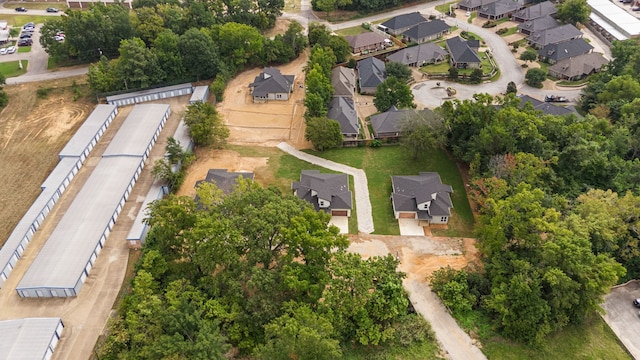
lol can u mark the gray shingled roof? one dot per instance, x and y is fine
(499, 7)
(404, 20)
(343, 110)
(343, 80)
(565, 50)
(545, 107)
(409, 191)
(391, 120)
(541, 23)
(426, 29)
(422, 53)
(371, 72)
(331, 187)
(461, 52)
(475, 3)
(364, 39)
(537, 11)
(224, 180)
(579, 65)
(271, 81)
(555, 35)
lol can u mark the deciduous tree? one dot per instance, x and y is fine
(323, 133)
(205, 125)
(393, 92)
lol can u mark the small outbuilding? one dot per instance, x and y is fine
(200, 93)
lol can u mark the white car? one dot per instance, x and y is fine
(468, 13)
(11, 49)
(3, 51)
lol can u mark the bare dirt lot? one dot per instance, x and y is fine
(265, 124)
(32, 132)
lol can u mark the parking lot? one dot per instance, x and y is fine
(623, 317)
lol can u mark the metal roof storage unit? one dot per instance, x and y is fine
(150, 94)
(200, 93)
(71, 157)
(29, 338)
(139, 229)
(87, 136)
(66, 259)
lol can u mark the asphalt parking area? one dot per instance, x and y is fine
(624, 318)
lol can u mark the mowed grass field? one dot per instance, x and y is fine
(32, 132)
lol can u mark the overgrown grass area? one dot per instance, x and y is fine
(381, 163)
(417, 351)
(591, 340)
(356, 30)
(12, 68)
(19, 20)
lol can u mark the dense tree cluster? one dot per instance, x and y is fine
(574, 11)
(363, 6)
(168, 42)
(259, 271)
(558, 199)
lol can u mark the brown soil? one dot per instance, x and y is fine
(279, 28)
(32, 132)
(265, 124)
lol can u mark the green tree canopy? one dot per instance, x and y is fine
(393, 92)
(574, 11)
(535, 77)
(323, 133)
(205, 125)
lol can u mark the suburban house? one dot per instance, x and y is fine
(326, 192)
(343, 110)
(498, 9)
(366, 42)
(427, 31)
(343, 80)
(547, 108)
(371, 72)
(534, 12)
(271, 85)
(542, 38)
(224, 179)
(578, 67)
(422, 54)
(539, 24)
(388, 125)
(463, 53)
(401, 23)
(553, 53)
(472, 5)
(421, 197)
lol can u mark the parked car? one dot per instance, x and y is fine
(3, 51)
(636, 302)
(25, 35)
(58, 38)
(25, 42)
(29, 24)
(637, 8)
(11, 49)
(52, 10)
(21, 9)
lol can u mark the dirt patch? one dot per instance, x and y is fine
(279, 28)
(217, 159)
(265, 124)
(32, 132)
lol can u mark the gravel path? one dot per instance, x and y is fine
(363, 205)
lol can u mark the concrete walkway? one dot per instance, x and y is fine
(361, 187)
(457, 344)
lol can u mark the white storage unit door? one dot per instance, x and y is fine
(48, 355)
(83, 277)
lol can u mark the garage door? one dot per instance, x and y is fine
(407, 215)
(339, 213)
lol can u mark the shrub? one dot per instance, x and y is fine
(42, 93)
(375, 143)
(412, 328)
(217, 87)
(502, 31)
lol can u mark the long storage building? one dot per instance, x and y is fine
(72, 158)
(29, 338)
(65, 261)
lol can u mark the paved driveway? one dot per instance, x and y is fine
(341, 222)
(624, 318)
(410, 227)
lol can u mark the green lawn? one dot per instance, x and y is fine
(35, 5)
(12, 68)
(445, 7)
(472, 16)
(19, 20)
(510, 31)
(24, 49)
(356, 30)
(381, 163)
(591, 340)
(442, 68)
(420, 351)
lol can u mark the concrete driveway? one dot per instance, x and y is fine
(410, 227)
(624, 318)
(341, 222)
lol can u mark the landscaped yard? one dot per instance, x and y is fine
(381, 163)
(445, 7)
(12, 68)
(24, 49)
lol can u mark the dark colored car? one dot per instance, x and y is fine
(636, 302)
(52, 10)
(25, 35)
(25, 42)
(21, 9)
